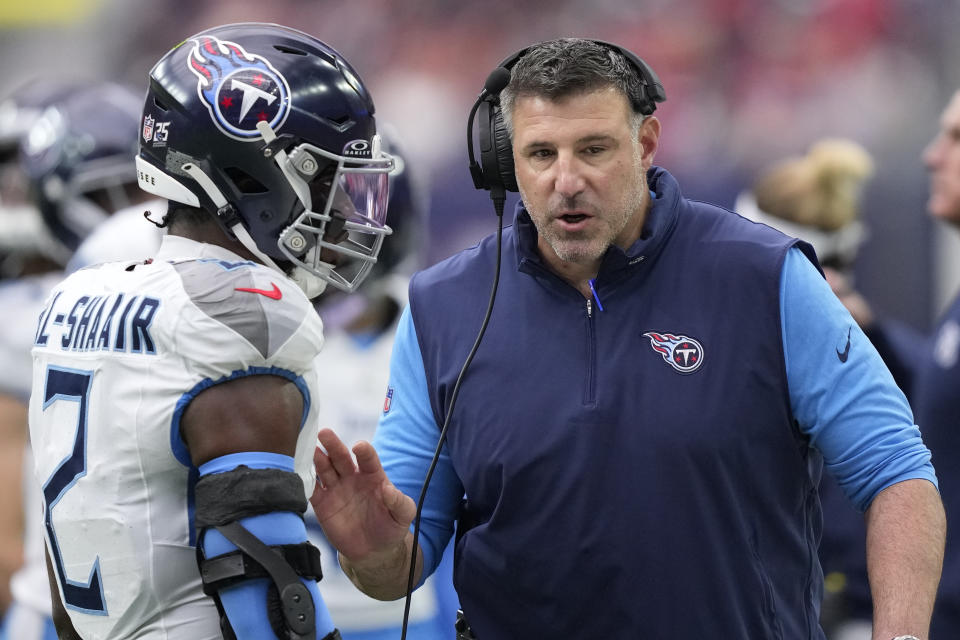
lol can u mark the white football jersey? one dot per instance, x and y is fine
(123, 236)
(120, 351)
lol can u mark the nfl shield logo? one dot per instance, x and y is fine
(388, 400)
(148, 121)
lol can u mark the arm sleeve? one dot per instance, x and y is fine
(406, 440)
(246, 603)
(841, 393)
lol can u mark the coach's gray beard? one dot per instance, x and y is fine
(587, 246)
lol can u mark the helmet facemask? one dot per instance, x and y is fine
(338, 234)
(337, 245)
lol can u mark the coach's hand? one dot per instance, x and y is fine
(364, 516)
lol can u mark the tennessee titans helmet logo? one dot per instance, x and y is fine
(681, 352)
(239, 89)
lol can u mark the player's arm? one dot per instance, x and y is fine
(61, 620)
(242, 436)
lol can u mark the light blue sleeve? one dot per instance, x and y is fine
(841, 393)
(406, 440)
(246, 603)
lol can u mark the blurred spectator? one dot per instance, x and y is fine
(816, 197)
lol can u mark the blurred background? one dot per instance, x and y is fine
(747, 81)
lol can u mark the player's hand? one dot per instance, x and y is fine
(362, 514)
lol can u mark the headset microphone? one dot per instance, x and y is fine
(497, 81)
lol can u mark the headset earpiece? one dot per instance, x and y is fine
(496, 151)
(504, 149)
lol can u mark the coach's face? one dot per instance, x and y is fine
(581, 169)
(942, 159)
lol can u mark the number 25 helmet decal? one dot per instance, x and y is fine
(272, 132)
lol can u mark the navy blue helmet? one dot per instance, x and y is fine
(21, 229)
(24, 105)
(66, 163)
(79, 158)
(272, 132)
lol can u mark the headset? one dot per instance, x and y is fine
(495, 174)
(495, 171)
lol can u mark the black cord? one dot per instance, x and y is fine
(498, 205)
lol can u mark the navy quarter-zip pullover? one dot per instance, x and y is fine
(648, 470)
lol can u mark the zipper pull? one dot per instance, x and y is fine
(589, 308)
(595, 296)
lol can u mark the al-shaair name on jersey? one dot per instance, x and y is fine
(82, 330)
(120, 351)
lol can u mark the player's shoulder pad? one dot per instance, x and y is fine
(256, 302)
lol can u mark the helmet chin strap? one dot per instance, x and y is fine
(310, 284)
(220, 201)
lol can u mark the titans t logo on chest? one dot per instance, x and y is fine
(681, 352)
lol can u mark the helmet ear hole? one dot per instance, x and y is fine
(159, 104)
(244, 182)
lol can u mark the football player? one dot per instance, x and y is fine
(174, 412)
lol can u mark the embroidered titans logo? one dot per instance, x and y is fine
(681, 352)
(239, 89)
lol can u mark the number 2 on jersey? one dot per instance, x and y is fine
(73, 386)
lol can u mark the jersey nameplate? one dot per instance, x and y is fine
(117, 322)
